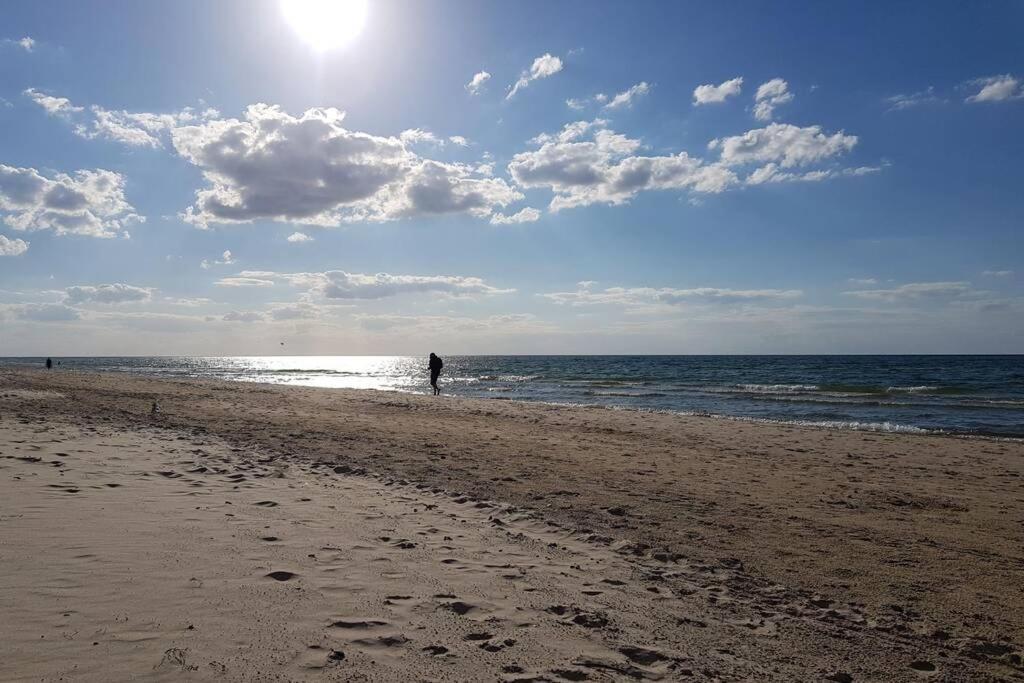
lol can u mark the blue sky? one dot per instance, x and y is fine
(200, 178)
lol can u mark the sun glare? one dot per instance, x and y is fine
(326, 24)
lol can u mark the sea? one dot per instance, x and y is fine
(964, 395)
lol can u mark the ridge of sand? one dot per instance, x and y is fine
(614, 586)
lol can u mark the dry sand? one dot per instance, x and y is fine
(253, 532)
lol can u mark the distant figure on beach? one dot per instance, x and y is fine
(49, 363)
(435, 369)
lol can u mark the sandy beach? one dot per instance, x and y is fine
(257, 532)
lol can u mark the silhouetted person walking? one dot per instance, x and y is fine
(435, 369)
(49, 363)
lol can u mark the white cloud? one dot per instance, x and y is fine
(413, 136)
(625, 98)
(646, 296)
(998, 273)
(917, 290)
(136, 129)
(508, 323)
(89, 203)
(770, 95)
(458, 140)
(27, 43)
(243, 281)
(299, 238)
(226, 259)
(771, 173)
(863, 281)
(786, 144)
(527, 215)
(107, 294)
(55, 106)
(544, 66)
(996, 89)
(476, 84)
(46, 313)
(914, 99)
(576, 104)
(9, 247)
(299, 311)
(341, 285)
(605, 170)
(310, 169)
(711, 94)
(244, 317)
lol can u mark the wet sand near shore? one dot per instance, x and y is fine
(305, 534)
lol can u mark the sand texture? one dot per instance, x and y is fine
(254, 532)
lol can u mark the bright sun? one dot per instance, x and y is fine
(325, 24)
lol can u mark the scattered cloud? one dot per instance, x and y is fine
(544, 66)
(310, 169)
(243, 317)
(458, 140)
(625, 99)
(527, 215)
(476, 84)
(55, 106)
(338, 284)
(91, 202)
(914, 99)
(243, 281)
(135, 129)
(46, 313)
(606, 170)
(997, 273)
(996, 89)
(770, 95)
(862, 281)
(27, 43)
(341, 285)
(299, 311)
(226, 259)
(107, 294)
(917, 290)
(585, 295)
(771, 173)
(299, 238)
(788, 145)
(506, 324)
(9, 247)
(713, 94)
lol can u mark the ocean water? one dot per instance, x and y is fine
(981, 395)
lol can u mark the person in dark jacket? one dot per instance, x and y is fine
(435, 366)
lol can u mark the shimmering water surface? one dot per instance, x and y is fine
(958, 394)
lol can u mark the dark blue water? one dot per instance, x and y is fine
(956, 394)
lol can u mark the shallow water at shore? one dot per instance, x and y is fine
(954, 394)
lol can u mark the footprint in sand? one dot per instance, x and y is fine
(266, 504)
(460, 608)
(282, 575)
(478, 636)
(358, 624)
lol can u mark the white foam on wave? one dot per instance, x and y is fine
(776, 388)
(912, 390)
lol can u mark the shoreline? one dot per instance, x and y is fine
(860, 522)
(885, 427)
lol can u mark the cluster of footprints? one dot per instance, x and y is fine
(358, 575)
